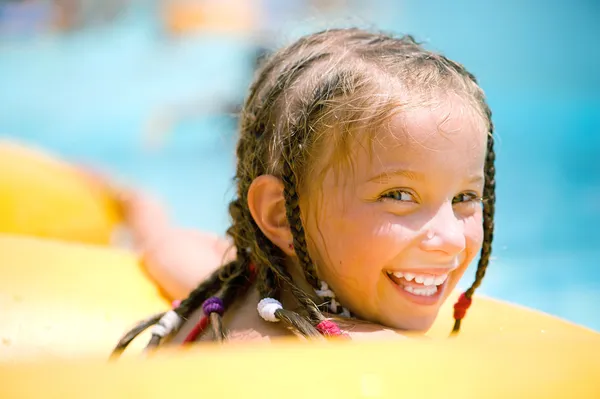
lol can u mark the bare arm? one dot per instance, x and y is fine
(176, 259)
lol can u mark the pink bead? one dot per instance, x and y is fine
(329, 328)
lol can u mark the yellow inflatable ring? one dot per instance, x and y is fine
(63, 300)
(506, 368)
(44, 197)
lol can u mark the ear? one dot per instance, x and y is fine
(267, 206)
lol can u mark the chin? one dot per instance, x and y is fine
(419, 324)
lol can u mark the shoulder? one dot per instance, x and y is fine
(241, 322)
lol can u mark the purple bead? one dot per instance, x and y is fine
(213, 305)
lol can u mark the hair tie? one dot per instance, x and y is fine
(267, 308)
(213, 305)
(329, 328)
(461, 306)
(197, 330)
(169, 322)
(252, 269)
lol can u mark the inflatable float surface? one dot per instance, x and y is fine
(44, 197)
(60, 299)
(505, 368)
(65, 305)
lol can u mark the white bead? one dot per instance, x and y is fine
(267, 308)
(325, 292)
(332, 305)
(159, 330)
(169, 322)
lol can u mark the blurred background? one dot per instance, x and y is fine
(147, 90)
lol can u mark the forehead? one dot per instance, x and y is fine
(449, 135)
(445, 140)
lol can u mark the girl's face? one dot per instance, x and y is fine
(394, 234)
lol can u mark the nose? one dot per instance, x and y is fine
(444, 233)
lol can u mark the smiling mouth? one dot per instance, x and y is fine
(418, 284)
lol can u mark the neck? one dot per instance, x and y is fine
(287, 298)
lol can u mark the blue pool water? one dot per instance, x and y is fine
(91, 96)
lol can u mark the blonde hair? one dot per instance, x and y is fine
(320, 90)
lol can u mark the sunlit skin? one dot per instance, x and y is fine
(412, 204)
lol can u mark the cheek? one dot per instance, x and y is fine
(339, 242)
(354, 249)
(349, 243)
(473, 230)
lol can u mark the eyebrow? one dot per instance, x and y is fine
(476, 179)
(415, 176)
(408, 174)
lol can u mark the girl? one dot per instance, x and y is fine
(365, 187)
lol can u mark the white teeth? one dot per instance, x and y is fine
(439, 280)
(425, 291)
(426, 279)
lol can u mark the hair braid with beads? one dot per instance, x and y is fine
(306, 98)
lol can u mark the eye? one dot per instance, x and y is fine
(463, 198)
(398, 195)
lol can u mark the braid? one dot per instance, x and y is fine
(300, 247)
(216, 324)
(488, 217)
(195, 298)
(133, 333)
(489, 193)
(204, 290)
(317, 92)
(234, 285)
(229, 281)
(252, 244)
(284, 113)
(262, 112)
(266, 71)
(336, 84)
(275, 272)
(235, 279)
(272, 272)
(268, 286)
(292, 208)
(489, 190)
(332, 87)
